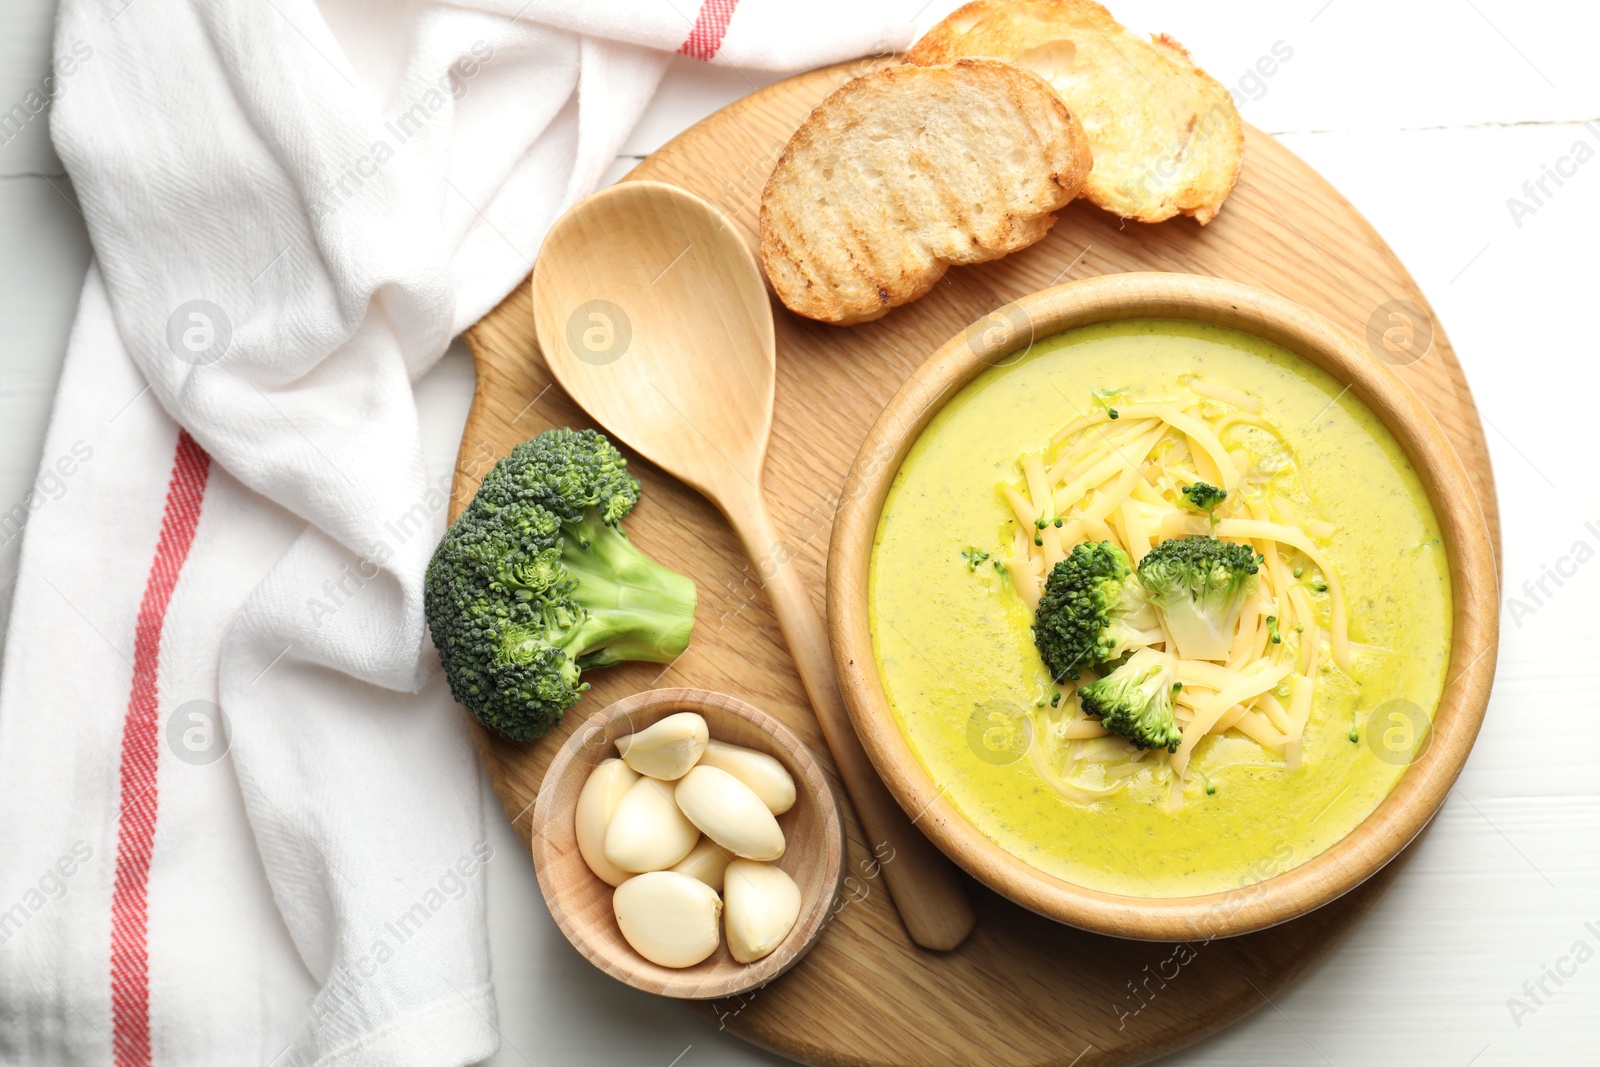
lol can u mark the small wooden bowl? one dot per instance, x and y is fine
(1006, 334)
(581, 902)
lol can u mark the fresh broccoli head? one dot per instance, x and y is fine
(536, 581)
(1200, 585)
(1135, 701)
(1092, 611)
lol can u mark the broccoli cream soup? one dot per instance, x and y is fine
(1161, 607)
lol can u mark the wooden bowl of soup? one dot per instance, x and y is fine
(1164, 605)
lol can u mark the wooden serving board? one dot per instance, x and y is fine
(1021, 990)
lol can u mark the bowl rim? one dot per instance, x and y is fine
(1007, 334)
(582, 749)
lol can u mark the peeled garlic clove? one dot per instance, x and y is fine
(597, 803)
(666, 749)
(765, 776)
(668, 918)
(706, 862)
(648, 831)
(762, 905)
(729, 812)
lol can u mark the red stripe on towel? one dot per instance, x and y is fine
(141, 737)
(709, 28)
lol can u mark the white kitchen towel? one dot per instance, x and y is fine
(239, 816)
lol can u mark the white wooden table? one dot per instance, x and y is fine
(1429, 116)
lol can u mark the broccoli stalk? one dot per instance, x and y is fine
(535, 582)
(1092, 611)
(1200, 584)
(635, 606)
(1135, 701)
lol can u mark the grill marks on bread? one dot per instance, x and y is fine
(910, 169)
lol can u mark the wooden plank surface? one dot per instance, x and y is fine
(1022, 990)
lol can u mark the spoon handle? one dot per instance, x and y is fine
(923, 883)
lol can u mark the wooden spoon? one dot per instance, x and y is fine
(651, 312)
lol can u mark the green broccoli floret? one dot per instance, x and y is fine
(1207, 498)
(1092, 611)
(1200, 585)
(1135, 701)
(973, 556)
(535, 582)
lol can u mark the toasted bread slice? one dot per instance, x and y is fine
(907, 170)
(1167, 139)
